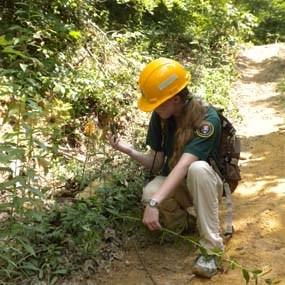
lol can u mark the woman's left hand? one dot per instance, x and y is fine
(151, 218)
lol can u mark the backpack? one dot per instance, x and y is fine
(229, 154)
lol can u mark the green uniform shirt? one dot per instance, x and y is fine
(203, 145)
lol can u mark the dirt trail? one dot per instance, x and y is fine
(259, 201)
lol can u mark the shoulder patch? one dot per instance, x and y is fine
(205, 130)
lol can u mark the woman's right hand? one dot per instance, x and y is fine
(120, 145)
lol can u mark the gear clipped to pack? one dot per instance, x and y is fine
(228, 170)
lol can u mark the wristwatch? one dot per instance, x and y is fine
(152, 203)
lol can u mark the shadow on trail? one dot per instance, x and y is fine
(269, 70)
(275, 102)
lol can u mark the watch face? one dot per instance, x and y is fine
(152, 203)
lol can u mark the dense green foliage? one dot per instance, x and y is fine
(68, 68)
(270, 15)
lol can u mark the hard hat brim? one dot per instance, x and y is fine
(145, 106)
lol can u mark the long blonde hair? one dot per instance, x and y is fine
(189, 120)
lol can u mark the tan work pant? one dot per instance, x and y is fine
(201, 189)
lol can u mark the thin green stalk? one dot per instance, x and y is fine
(220, 254)
(82, 181)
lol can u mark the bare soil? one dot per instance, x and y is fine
(258, 203)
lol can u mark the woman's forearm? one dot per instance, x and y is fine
(170, 184)
(147, 160)
(174, 178)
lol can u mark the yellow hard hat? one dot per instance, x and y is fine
(160, 80)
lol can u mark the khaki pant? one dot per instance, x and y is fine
(198, 195)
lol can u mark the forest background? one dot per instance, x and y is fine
(68, 69)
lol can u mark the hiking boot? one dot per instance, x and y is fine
(205, 266)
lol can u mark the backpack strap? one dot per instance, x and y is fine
(229, 212)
